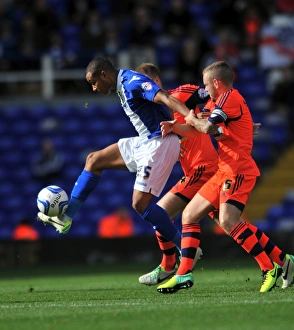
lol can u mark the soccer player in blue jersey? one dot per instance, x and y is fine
(148, 154)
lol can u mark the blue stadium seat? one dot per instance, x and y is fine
(204, 23)
(111, 109)
(166, 55)
(22, 174)
(104, 7)
(73, 169)
(6, 232)
(30, 142)
(70, 31)
(246, 73)
(264, 225)
(4, 125)
(60, 140)
(23, 127)
(7, 188)
(79, 142)
(289, 197)
(92, 111)
(255, 88)
(288, 204)
(262, 148)
(82, 229)
(198, 9)
(66, 111)
(7, 144)
(96, 126)
(16, 113)
(286, 224)
(117, 199)
(277, 124)
(71, 37)
(274, 214)
(12, 160)
(72, 125)
(59, 7)
(40, 111)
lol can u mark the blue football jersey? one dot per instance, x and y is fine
(136, 92)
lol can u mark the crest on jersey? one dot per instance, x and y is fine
(147, 86)
(202, 93)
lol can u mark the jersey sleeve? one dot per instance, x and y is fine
(191, 95)
(140, 85)
(225, 108)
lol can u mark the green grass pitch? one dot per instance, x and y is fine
(225, 295)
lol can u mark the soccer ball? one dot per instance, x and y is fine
(52, 201)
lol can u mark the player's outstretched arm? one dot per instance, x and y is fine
(180, 129)
(163, 97)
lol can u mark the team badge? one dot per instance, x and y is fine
(202, 93)
(147, 86)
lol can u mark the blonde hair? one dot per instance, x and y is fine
(220, 70)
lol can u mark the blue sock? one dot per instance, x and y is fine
(85, 184)
(161, 222)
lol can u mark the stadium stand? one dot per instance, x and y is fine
(76, 130)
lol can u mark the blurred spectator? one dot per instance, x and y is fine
(123, 8)
(117, 224)
(286, 6)
(228, 14)
(188, 62)
(112, 43)
(78, 11)
(56, 50)
(24, 231)
(8, 44)
(92, 35)
(225, 49)
(30, 41)
(177, 20)
(47, 168)
(27, 244)
(252, 22)
(276, 48)
(45, 20)
(140, 39)
(282, 95)
(141, 32)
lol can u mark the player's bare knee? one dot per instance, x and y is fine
(187, 217)
(226, 225)
(138, 207)
(92, 162)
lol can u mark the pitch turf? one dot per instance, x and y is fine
(97, 297)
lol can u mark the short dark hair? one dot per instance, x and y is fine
(99, 64)
(220, 70)
(150, 70)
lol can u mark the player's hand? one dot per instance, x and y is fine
(190, 118)
(183, 150)
(255, 128)
(203, 115)
(167, 127)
